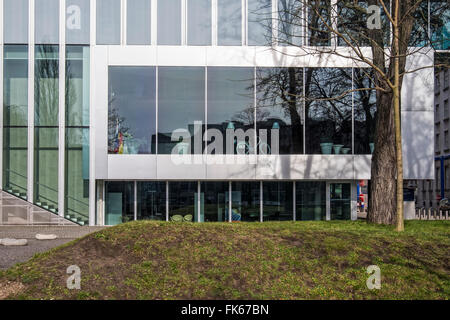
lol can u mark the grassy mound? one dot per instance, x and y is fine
(289, 260)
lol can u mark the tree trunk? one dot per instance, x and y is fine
(382, 201)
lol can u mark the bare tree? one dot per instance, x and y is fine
(379, 36)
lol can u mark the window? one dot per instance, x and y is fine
(151, 200)
(310, 200)
(199, 22)
(290, 21)
(446, 142)
(138, 22)
(246, 201)
(119, 202)
(231, 106)
(229, 22)
(214, 199)
(340, 201)
(15, 115)
(277, 201)
(181, 109)
(108, 22)
(78, 21)
(15, 21)
(446, 109)
(132, 110)
(169, 22)
(365, 107)
(183, 201)
(77, 134)
(440, 24)
(437, 144)
(260, 22)
(328, 111)
(279, 110)
(46, 132)
(319, 11)
(47, 21)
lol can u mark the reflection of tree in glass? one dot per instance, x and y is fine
(116, 128)
(280, 96)
(46, 85)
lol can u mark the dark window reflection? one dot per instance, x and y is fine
(183, 204)
(290, 22)
(365, 111)
(231, 106)
(279, 110)
(277, 201)
(419, 34)
(352, 24)
(151, 200)
(310, 200)
(340, 201)
(328, 110)
(260, 22)
(131, 110)
(214, 199)
(319, 16)
(119, 202)
(181, 104)
(440, 24)
(246, 201)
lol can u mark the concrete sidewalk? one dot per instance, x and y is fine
(9, 256)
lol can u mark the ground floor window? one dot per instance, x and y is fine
(119, 200)
(225, 201)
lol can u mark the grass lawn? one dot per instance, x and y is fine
(287, 260)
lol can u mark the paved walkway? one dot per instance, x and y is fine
(9, 256)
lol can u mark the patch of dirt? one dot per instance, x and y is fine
(8, 288)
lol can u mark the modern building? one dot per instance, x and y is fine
(194, 110)
(429, 192)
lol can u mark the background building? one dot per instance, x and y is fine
(430, 191)
(93, 92)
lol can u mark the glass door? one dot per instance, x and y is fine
(340, 208)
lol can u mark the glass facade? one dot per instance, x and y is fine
(259, 22)
(132, 110)
(108, 22)
(229, 25)
(364, 111)
(246, 196)
(310, 200)
(297, 110)
(319, 16)
(290, 22)
(119, 202)
(340, 201)
(138, 22)
(151, 200)
(279, 110)
(181, 103)
(214, 202)
(278, 201)
(231, 106)
(328, 110)
(46, 21)
(169, 22)
(78, 21)
(15, 25)
(208, 201)
(77, 133)
(183, 201)
(46, 92)
(199, 30)
(15, 119)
